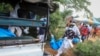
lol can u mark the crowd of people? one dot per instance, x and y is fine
(81, 31)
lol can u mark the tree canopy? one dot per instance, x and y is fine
(78, 5)
(57, 18)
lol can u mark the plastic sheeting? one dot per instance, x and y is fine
(4, 32)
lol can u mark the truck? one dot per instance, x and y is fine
(25, 45)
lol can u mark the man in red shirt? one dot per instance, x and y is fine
(84, 31)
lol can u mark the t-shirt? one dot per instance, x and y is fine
(75, 29)
(89, 27)
(70, 33)
(41, 31)
(84, 30)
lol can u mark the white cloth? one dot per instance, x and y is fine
(14, 14)
(67, 43)
(26, 30)
(19, 31)
(89, 27)
(41, 38)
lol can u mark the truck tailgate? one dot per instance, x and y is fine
(35, 49)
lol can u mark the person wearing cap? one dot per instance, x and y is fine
(71, 32)
(41, 31)
(75, 29)
(67, 42)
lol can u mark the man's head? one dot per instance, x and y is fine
(70, 18)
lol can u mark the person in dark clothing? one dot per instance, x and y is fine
(41, 31)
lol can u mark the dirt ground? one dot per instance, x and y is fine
(68, 53)
(49, 50)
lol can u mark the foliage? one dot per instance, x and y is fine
(88, 49)
(5, 7)
(57, 18)
(66, 13)
(54, 21)
(77, 5)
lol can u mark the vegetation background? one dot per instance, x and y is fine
(58, 24)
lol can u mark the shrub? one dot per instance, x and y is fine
(88, 49)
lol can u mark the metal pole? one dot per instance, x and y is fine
(47, 27)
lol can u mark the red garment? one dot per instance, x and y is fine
(84, 30)
(96, 30)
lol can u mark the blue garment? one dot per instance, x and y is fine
(76, 40)
(4, 32)
(59, 42)
(53, 43)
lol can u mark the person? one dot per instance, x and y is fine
(75, 29)
(84, 31)
(90, 30)
(69, 20)
(94, 32)
(41, 34)
(14, 14)
(41, 31)
(67, 42)
(27, 15)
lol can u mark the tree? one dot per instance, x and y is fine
(76, 4)
(56, 18)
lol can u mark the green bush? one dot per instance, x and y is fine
(88, 49)
(5, 8)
